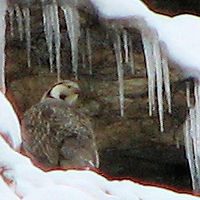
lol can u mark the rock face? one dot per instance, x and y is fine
(129, 146)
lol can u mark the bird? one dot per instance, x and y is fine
(55, 135)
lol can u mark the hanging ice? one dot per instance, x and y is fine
(11, 20)
(196, 139)
(166, 81)
(83, 59)
(128, 51)
(125, 41)
(48, 33)
(188, 94)
(159, 80)
(120, 71)
(150, 65)
(19, 21)
(89, 49)
(52, 33)
(157, 67)
(189, 148)
(3, 8)
(26, 14)
(192, 139)
(73, 27)
(56, 30)
(132, 65)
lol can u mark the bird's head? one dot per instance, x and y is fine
(66, 90)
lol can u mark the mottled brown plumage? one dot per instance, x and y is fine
(55, 135)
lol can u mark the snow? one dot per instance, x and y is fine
(181, 36)
(57, 193)
(121, 9)
(9, 123)
(188, 43)
(2, 46)
(6, 192)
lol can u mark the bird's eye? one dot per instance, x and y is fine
(62, 96)
(69, 86)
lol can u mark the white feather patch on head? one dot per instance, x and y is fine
(66, 90)
(58, 90)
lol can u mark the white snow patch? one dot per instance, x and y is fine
(9, 123)
(121, 9)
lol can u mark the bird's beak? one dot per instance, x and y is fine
(77, 91)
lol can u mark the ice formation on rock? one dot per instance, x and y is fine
(120, 71)
(19, 21)
(27, 27)
(73, 27)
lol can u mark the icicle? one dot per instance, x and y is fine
(73, 27)
(197, 141)
(89, 49)
(192, 140)
(19, 21)
(26, 13)
(48, 33)
(166, 81)
(177, 144)
(118, 53)
(157, 66)
(107, 35)
(148, 52)
(125, 41)
(11, 20)
(3, 8)
(56, 29)
(132, 65)
(159, 80)
(188, 94)
(189, 148)
(83, 60)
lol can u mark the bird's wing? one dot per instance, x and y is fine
(44, 127)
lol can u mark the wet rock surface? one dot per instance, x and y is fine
(129, 146)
